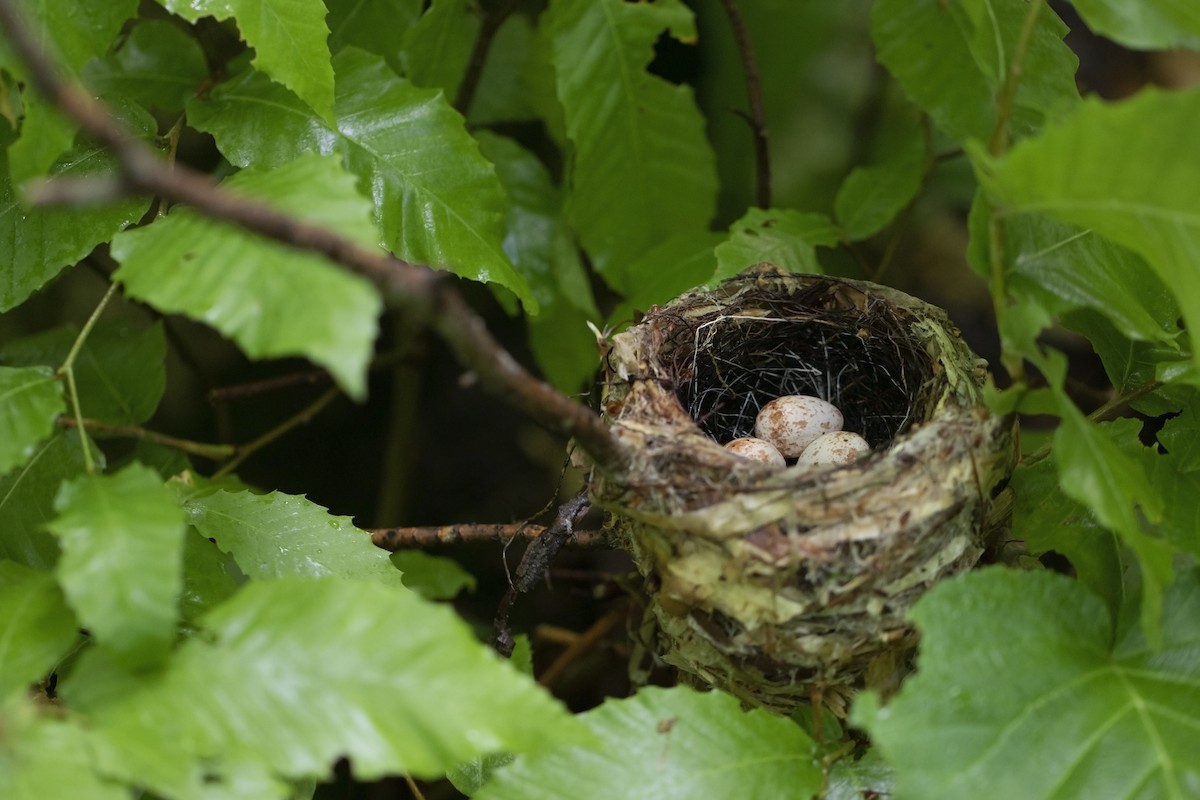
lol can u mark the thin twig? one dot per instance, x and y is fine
(67, 370)
(426, 296)
(492, 19)
(1111, 410)
(202, 449)
(534, 563)
(308, 377)
(583, 643)
(438, 536)
(412, 787)
(757, 117)
(302, 418)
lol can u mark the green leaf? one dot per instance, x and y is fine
(43, 757)
(210, 577)
(39, 242)
(1131, 363)
(120, 371)
(294, 674)
(469, 776)
(1098, 170)
(1069, 268)
(873, 195)
(866, 777)
(36, 627)
(45, 135)
(1146, 25)
(1093, 468)
(276, 535)
(1177, 478)
(1094, 471)
(27, 500)
(667, 270)
(158, 66)
(377, 26)
(510, 82)
(288, 37)
(437, 200)
(540, 244)
(952, 60)
(670, 743)
(1047, 519)
(642, 169)
(30, 400)
(780, 236)
(1013, 701)
(271, 299)
(1181, 438)
(121, 565)
(437, 48)
(432, 577)
(74, 32)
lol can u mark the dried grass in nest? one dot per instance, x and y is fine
(773, 584)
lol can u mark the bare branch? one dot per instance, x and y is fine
(401, 538)
(426, 296)
(757, 117)
(494, 15)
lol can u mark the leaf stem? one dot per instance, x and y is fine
(757, 116)
(304, 416)
(1104, 413)
(997, 286)
(1012, 79)
(202, 449)
(67, 370)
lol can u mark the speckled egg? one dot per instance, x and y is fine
(794, 422)
(834, 448)
(756, 450)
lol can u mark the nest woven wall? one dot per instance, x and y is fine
(771, 582)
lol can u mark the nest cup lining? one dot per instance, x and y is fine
(826, 340)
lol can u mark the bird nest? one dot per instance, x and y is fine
(774, 583)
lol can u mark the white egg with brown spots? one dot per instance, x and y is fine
(756, 450)
(793, 422)
(837, 448)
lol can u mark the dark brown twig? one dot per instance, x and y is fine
(535, 562)
(492, 18)
(757, 117)
(438, 536)
(426, 296)
(254, 388)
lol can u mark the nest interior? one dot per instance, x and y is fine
(769, 582)
(825, 340)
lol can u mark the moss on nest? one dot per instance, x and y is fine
(775, 584)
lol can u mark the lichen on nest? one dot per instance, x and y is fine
(770, 582)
